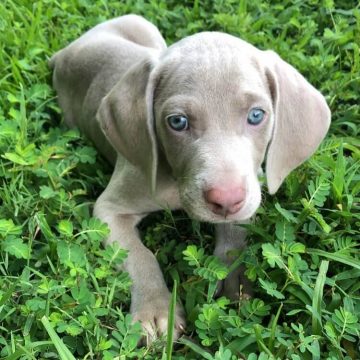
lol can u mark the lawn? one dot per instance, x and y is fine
(60, 293)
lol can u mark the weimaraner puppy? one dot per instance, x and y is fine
(186, 127)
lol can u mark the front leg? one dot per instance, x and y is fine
(149, 294)
(229, 239)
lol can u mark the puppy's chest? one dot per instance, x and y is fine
(168, 196)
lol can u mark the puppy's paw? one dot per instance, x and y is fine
(236, 286)
(153, 316)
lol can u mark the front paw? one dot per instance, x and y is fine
(153, 314)
(236, 286)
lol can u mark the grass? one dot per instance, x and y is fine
(60, 293)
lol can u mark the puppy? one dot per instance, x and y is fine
(186, 127)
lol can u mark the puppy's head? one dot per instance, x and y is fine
(215, 106)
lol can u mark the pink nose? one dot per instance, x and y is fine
(225, 202)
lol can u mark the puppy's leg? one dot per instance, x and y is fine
(149, 294)
(229, 239)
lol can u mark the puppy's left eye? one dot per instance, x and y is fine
(255, 116)
(178, 122)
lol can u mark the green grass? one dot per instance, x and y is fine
(60, 293)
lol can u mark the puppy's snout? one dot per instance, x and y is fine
(225, 201)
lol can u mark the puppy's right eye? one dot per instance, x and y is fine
(255, 116)
(178, 122)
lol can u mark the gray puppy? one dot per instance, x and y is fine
(186, 127)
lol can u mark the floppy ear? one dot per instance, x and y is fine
(301, 120)
(126, 117)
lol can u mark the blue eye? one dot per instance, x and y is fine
(255, 116)
(178, 122)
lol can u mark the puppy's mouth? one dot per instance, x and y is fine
(213, 218)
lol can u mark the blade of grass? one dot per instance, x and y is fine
(7, 294)
(317, 299)
(347, 260)
(171, 323)
(63, 351)
(6, 297)
(339, 176)
(260, 342)
(15, 355)
(26, 351)
(196, 348)
(273, 328)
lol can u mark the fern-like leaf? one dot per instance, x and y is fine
(318, 191)
(212, 270)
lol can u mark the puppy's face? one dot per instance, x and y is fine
(214, 119)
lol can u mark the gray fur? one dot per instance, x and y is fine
(118, 83)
